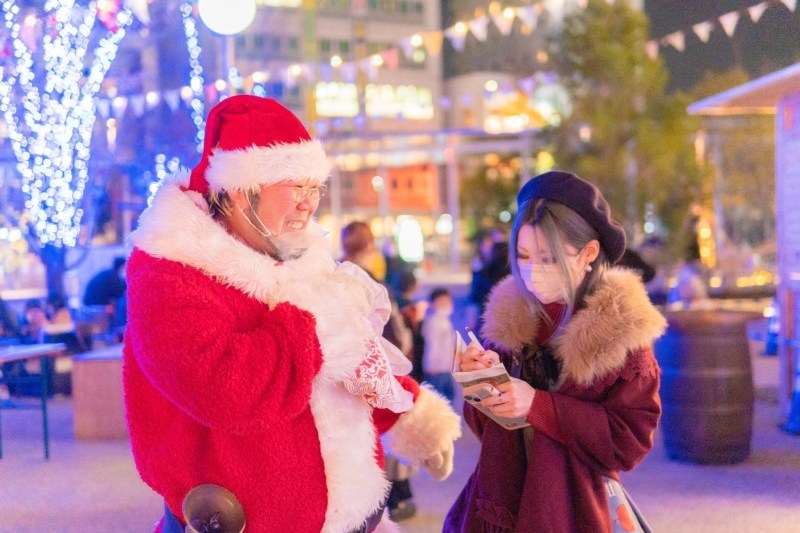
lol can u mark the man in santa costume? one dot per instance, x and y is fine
(252, 359)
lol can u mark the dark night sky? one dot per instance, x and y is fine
(770, 45)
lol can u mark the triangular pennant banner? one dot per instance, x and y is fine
(703, 30)
(407, 47)
(391, 58)
(528, 16)
(139, 8)
(173, 99)
(103, 107)
(433, 42)
(478, 27)
(728, 22)
(651, 48)
(757, 10)
(503, 23)
(137, 104)
(676, 40)
(119, 105)
(791, 4)
(456, 39)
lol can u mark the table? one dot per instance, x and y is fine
(97, 400)
(24, 352)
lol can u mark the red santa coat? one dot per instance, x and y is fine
(232, 371)
(599, 421)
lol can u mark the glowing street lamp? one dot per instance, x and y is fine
(227, 18)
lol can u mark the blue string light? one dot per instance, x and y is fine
(196, 71)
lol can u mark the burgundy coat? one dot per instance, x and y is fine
(598, 421)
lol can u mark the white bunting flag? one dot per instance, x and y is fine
(676, 40)
(137, 103)
(478, 27)
(119, 105)
(503, 23)
(757, 10)
(791, 4)
(703, 30)
(103, 107)
(528, 16)
(729, 21)
(173, 99)
(651, 48)
(456, 39)
(139, 8)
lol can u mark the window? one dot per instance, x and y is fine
(344, 47)
(241, 42)
(276, 43)
(258, 41)
(325, 45)
(293, 43)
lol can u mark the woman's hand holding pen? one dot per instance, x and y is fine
(510, 400)
(476, 358)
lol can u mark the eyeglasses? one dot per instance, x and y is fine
(301, 192)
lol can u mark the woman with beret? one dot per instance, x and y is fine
(575, 334)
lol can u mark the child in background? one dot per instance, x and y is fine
(437, 331)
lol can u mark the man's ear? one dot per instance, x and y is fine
(238, 197)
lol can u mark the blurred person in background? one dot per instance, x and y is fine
(413, 312)
(575, 335)
(252, 360)
(494, 269)
(9, 325)
(437, 331)
(358, 247)
(106, 290)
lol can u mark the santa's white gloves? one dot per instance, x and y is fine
(440, 464)
(425, 434)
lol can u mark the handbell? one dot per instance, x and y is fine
(209, 508)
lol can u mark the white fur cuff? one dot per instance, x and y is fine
(430, 427)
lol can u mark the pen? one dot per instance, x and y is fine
(472, 337)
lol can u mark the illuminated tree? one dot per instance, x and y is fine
(58, 55)
(626, 133)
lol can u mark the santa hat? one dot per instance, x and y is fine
(252, 141)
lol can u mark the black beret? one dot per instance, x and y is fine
(583, 198)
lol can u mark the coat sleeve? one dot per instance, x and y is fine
(611, 434)
(198, 343)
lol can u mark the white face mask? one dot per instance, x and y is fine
(548, 282)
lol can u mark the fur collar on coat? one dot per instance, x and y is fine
(618, 319)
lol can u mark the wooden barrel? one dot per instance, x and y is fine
(706, 386)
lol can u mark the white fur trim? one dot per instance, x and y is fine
(267, 165)
(430, 427)
(178, 227)
(356, 486)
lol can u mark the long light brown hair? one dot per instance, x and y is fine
(558, 224)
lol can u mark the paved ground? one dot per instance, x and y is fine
(93, 486)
